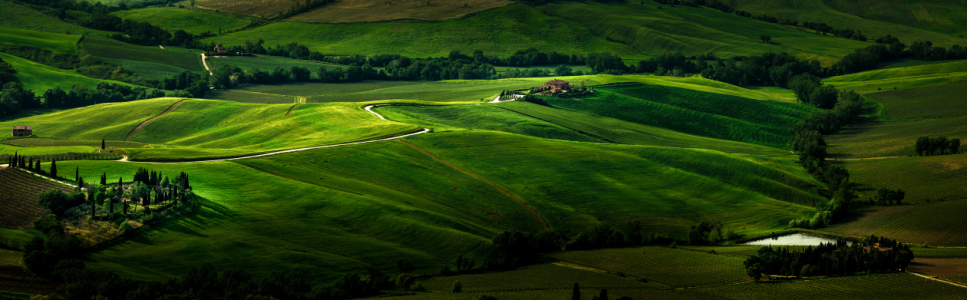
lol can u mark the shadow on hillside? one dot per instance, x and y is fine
(207, 215)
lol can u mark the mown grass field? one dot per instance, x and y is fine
(944, 16)
(497, 31)
(901, 78)
(653, 30)
(58, 43)
(675, 267)
(208, 127)
(111, 121)
(193, 21)
(935, 223)
(17, 16)
(564, 181)
(821, 11)
(170, 56)
(46, 142)
(353, 11)
(40, 78)
(693, 112)
(480, 117)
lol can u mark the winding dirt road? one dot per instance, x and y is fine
(148, 121)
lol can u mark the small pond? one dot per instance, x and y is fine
(797, 239)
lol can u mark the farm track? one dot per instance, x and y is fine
(505, 191)
(148, 121)
(940, 280)
(291, 109)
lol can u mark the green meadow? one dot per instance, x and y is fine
(40, 78)
(943, 16)
(58, 43)
(185, 59)
(934, 223)
(901, 78)
(822, 12)
(497, 31)
(267, 63)
(654, 29)
(17, 16)
(193, 21)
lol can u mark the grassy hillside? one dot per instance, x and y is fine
(193, 21)
(923, 178)
(58, 43)
(18, 203)
(16, 16)
(901, 78)
(498, 31)
(944, 16)
(693, 112)
(477, 117)
(937, 223)
(820, 11)
(653, 30)
(267, 63)
(210, 127)
(673, 267)
(261, 8)
(352, 11)
(40, 78)
(110, 121)
(566, 181)
(147, 70)
(108, 48)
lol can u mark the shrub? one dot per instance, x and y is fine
(457, 287)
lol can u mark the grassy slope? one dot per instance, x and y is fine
(262, 8)
(944, 16)
(58, 43)
(213, 128)
(110, 121)
(170, 56)
(264, 223)
(20, 17)
(567, 181)
(193, 21)
(477, 117)
(819, 11)
(901, 78)
(935, 223)
(40, 78)
(267, 63)
(352, 11)
(693, 31)
(676, 267)
(625, 132)
(692, 112)
(497, 31)
(147, 70)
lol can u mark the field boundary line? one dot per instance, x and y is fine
(291, 109)
(594, 136)
(540, 219)
(148, 121)
(938, 279)
(41, 176)
(306, 182)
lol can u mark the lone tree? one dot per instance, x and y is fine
(753, 268)
(576, 294)
(102, 141)
(765, 38)
(53, 169)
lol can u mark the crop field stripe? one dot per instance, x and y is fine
(148, 121)
(505, 191)
(306, 182)
(594, 136)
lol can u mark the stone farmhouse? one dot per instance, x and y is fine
(23, 130)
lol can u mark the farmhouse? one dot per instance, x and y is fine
(219, 49)
(556, 86)
(23, 130)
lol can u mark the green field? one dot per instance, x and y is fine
(40, 78)
(935, 223)
(58, 43)
(17, 16)
(267, 63)
(894, 286)
(354, 11)
(944, 16)
(653, 30)
(146, 70)
(682, 268)
(498, 31)
(821, 12)
(693, 112)
(193, 21)
(549, 276)
(169, 56)
(901, 78)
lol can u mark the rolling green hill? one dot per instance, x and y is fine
(822, 12)
(17, 16)
(193, 21)
(497, 31)
(944, 16)
(55, 42)
(182, 58)
(901, 78)
(654, 29)
(40, 78)
(352, 11)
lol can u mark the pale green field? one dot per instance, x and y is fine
(193, 21)
(40, 78)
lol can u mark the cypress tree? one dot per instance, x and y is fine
(603, 295)
(53, 169)
(104, 178)
(80, 183)
(37, 168)
(77, 173)
(102, 144)
(576, 294)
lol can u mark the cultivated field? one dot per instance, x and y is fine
(169, 56)
(17, 16)
(352, 11)
(45, 142)
(193, 21)
(675, 267)
(901, 78)
(256, 8)
(934, 223)
(40, 78)
(267, 63)
(499, 31)
(18, 202)
(548, 277)
(111, 121)
(944, 16)
(896, 286)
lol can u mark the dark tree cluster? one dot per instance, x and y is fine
(7, 73)
(926, 146)
(14, 98)
(885, 196)
(59, 202)
(873, 255)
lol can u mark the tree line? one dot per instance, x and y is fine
(15, 98)
(926, 146)
(872, 255)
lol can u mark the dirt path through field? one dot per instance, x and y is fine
(505, 191)
(148, 121)
(940, 280)
(291, 109)
(865, 158)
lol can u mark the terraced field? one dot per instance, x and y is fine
(18, 202)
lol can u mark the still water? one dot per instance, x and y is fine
(797, 239)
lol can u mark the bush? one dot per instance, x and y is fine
(126, 228)
(457, 287)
